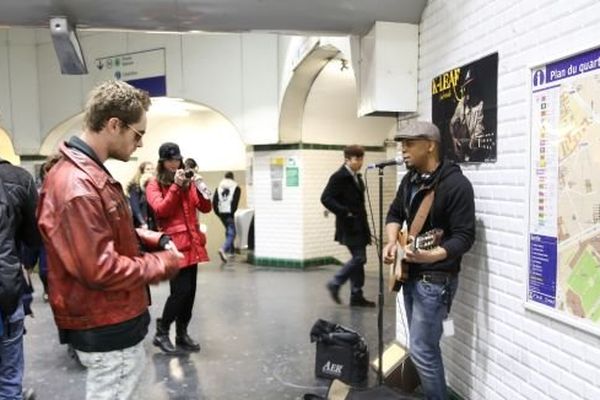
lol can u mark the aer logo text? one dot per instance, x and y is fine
(332, 368)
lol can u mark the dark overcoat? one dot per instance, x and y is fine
(344, 197)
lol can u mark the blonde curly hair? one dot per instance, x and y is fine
(114, 99)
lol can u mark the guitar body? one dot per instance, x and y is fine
(399, 268)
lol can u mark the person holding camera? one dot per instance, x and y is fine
(174, 196)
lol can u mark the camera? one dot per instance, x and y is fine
(189, 173)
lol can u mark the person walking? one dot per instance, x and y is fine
(225, 204)
(344, 196)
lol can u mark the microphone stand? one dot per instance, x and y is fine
(380, 297)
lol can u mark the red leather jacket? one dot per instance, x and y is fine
(175, 210)
(97, 274)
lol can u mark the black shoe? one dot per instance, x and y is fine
(185, 342)
(164, 343)
(334, 292)
(361, 302)
(161, 339)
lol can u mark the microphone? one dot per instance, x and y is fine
(394, 161)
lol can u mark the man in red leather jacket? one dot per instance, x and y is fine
(98, 274)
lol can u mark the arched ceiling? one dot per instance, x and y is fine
(7, 151)
(282, 16)
(202, 133)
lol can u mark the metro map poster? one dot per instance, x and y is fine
(564, 225)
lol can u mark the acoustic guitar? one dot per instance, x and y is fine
(399, 268)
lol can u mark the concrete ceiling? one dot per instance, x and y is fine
(281, 16)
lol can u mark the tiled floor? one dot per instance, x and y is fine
(253, 324)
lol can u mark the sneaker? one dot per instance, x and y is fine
(361, 302)
(28, 394)
(334, 292)
(223, 255)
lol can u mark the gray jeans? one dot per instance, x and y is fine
(113, 375)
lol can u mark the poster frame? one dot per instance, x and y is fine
(552, 313)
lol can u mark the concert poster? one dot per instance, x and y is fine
(464, 108)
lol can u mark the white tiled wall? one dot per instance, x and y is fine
(319, 227)
(500, 350)
(297, 228)
(319, 224)
(278, 225)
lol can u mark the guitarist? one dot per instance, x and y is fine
(433, 274)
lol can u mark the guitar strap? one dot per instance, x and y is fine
(422, 213)
(414, 230)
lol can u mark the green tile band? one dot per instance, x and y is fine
(295, 264)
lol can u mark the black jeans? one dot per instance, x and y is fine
(179, 305)
(354, 270)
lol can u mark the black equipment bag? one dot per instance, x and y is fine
(341, 353)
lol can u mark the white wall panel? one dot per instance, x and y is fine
(499, 349)
(23, 83)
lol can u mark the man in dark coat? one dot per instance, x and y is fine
(344, 196)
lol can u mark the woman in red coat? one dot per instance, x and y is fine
(174, 199)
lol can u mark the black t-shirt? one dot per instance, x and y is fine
(108, 338)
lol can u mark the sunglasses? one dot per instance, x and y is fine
(139, 135)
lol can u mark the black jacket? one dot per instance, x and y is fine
(342, 196)
(17, 228)
(453, 211)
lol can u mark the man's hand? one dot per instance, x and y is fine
(180, 179)
(173, 249)
(425, 256)
(389, 252)
(171, 264)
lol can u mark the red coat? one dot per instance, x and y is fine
(175, 210)
(97, 274)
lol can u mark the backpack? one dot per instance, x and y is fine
(11, 276)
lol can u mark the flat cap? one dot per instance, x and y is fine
(419, 130)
